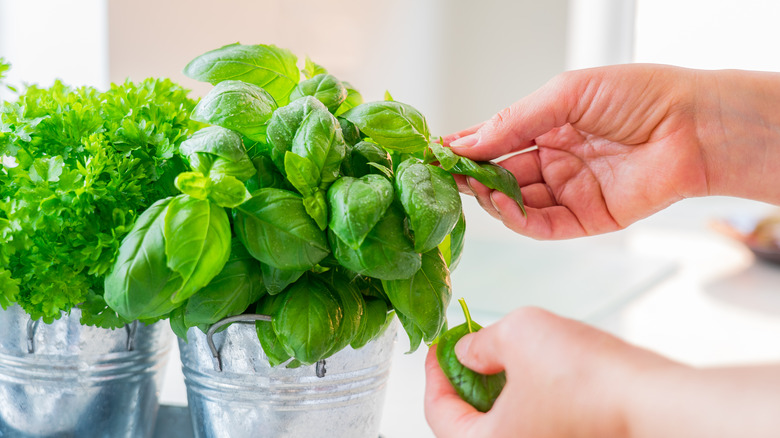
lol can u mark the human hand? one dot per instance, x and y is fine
(616, 144)
(564, 379)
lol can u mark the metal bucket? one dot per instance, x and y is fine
(249, 398)
(68, 380)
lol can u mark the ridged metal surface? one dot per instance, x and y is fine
(249, 398)
(67, 380)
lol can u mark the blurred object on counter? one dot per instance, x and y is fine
(762, 236)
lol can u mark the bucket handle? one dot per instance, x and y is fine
(32, 326)
(244, 319)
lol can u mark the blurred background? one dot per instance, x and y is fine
(670, 282)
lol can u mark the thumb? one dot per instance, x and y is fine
(516, 127)
(482, 351)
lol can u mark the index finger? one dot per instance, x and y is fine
(446, 413)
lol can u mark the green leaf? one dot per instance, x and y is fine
(491, 176)
(218, 151)
(312, 69)
(479, 390)
(423, 298)
(227, 191)
(323, 87)
(354, 98)
(352, 306)
(452, 246)
(307, 320)
(197, 243)
(393, 125)
(386, 253)
(193, 184)
(361, 155)
(237, 105)
(276, 280)
(375, 316)
(274, 226)
(431, 199)
(231, 292)
(178, 326)
(446, 158)
(266, 66)
(414, 332)
(272, 346)
(266, 175)
(9, 288)
(357, 205)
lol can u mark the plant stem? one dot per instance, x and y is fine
(467, 314)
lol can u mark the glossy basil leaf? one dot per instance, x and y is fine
(375, 315)
(491, 176)
(423, 298)
(323, 87)
(393, 125)
(266, 175)
(354, 98)
(305, 177)
(446, 158)
(431, 200)
(274, 226)
(414, 332)
(306, 128)
(228, 191)
(197, 242)
(386, 253)
(178, 326)
(194, 184)
(349, 131)
(141, 284)
(452, 246)
(267, 66)
(230, 293)
(272, 346)
(237, 105)
(307, 320)
(216, 150)
(311, 69)
(357, 205)
(276, 280)
(357, 162)
(352, 306)
(479, 390)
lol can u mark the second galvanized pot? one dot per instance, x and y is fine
(249, 398)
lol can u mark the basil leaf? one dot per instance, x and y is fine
(307, 320)
(140, 285)
(230, 293)
(431, 200)
(323, 87)
(452, 246)
(311, 69)
(305, 177)
(375, 316)
(414, 332)
(386, 253)
(479, 390)
(352, 306)
(349, 131)
(178, 326)
(306, 128)
(194, 184)
(266, 175)
(266, 66)
(237, 105)
(216, 150)
(491, 176)
(274, 226)
(423, 298)
(276, 280)
(361, 155)
(354, 98)
(227, 191)
(446, 158)
(357, 205)
(393, 125)
(272, 346)
(197, 242)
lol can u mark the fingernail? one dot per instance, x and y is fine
(495, 205)
(462, 346)
(466, 142)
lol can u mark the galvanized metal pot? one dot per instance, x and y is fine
(68, 380)
(249, 398)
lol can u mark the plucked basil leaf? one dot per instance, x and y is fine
(306, 128)
(215, 150)
(423, 298)
(274, 226)
(492, 176)
(354, 98)
(272, 346)
(375, 315)
(446, 158)
(197, 242)
(230, 293)
(236, 105)
(386, 253)
(323, 87)
(357, 205)
(307, 320)
(431, 199)
(141, 284)
(361, 155)
(452, 246)
(393, 125)
(276, 280)
(266, 66)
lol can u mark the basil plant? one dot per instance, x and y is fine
(304, 203)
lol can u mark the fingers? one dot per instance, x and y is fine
(483, 351)
(446, 413)
(514, 128)
(546, 223)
